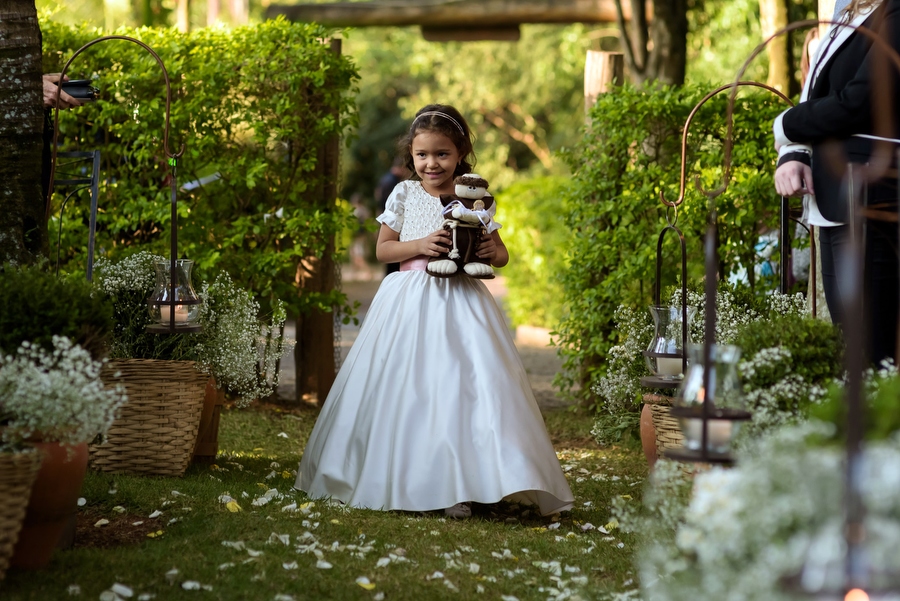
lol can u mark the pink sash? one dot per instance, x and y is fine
(414, 264)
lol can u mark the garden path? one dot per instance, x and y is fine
(540, 360)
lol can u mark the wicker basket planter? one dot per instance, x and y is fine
(17, 474)
(668, 434)
(156, 430)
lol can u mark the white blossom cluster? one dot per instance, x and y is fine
(235, 347)
(778, 513)
(56, 395)
(778, 403)
(136, 272)
(620, 388)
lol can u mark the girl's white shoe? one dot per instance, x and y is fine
(459, 511)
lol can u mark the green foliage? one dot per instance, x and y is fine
(35, 305)
(629, 155)
(523, 100)
(880, 393)
(816, 349)
(254, 105)
(534, 232)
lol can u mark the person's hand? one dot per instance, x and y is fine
(434, 244)
(50, 86)
(487, 248)
(794, 178)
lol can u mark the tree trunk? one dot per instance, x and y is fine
(655, 50)
(773, 15)
(314, 357)
(23, 226)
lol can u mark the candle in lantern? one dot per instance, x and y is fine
(181, 314)
(668, 367)
(718, 432)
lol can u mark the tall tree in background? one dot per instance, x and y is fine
(773, 15)
(23, 231)
(655, 50)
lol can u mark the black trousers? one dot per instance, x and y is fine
(881, 284)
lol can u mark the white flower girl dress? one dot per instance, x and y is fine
(432, 406)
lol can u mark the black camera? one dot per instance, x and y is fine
(80, 89)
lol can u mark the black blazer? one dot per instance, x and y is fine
(839, 105)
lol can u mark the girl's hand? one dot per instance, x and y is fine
(487, 248)
(434, 244)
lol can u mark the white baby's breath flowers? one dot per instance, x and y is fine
(57, 395)
(743, 530)
(240, 351)
(135, 272)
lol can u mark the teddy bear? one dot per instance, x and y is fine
(466, 216)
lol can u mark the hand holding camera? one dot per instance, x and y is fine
(74, 92)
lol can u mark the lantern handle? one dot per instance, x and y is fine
(169, 154)
(728, 139)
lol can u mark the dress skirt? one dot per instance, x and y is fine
(432, 407)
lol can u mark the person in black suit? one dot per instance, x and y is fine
(834, 125)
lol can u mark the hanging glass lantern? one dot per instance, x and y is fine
(179, 310)
(665, 356)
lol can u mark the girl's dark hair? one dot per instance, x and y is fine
(436, 121)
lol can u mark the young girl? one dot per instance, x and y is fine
(432, 408)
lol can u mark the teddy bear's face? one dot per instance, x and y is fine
(470, 192)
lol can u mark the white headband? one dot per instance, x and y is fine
(440, 114)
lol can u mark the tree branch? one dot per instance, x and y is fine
(541, 152)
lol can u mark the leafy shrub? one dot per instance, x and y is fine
(35, 306)
(630, 153)
(254, 108)
(534, 231)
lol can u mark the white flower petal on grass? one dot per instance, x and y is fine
(323, 565)
(365, 583)
(553, 526)
(118, 509)
(479, 589)
(587, 526)
(109, 596)
(508, 598)
(290, 565)
(282, 435)
(155, 514)
(81, 502)
(284, 539)
(122, 590)
(435, 576)
(270, 475)
(474, 568)
(379, 596)
(283, 597)
(225, 498)
(451, 586)
(253, 552)
(382, 562)
(175, 493)
(99, 523)
(292, 508)
(172, 575)
(238, 545)
(145, 596)
(137, 523)
(226, 565)
(191, 585)
(74, 590)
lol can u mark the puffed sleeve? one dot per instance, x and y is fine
(394, 207)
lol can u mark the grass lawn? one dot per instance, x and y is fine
(178, 538)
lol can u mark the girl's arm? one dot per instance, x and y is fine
(389, 249)
(492, 248)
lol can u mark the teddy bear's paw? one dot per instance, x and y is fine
(479, 270)
(442, 267)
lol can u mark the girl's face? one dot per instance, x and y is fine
(435, 158)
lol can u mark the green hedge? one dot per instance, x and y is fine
(630, 152)
(254, 105)
(535, 233)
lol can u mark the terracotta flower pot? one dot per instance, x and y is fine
(648, 435)
(54, 499)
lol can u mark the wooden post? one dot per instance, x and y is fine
(183, 15)
(602, 70)
(212, 12)
(314, 360)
